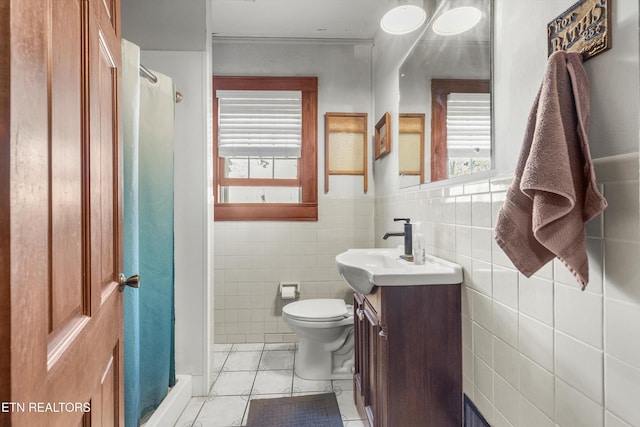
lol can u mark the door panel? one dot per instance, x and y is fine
(60, 213)
(109, 7)
(108, 387)
(66, 284)
(78, 375)
(371, 394)
(103, 145)
(382, 374)
(103, 411)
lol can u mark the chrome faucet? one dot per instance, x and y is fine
(408, 238)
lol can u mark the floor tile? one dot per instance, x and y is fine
(190, 412)
(233, 383)
(248, 347)
(270, 382)
(222, 347)
(269, 396)
(222, 411)
(347, 407)
(280, 346)
(342, 385)
(354, 423)
(300, 384)
(218, 360)
(305, 393)
(242, 361)
(276, 359)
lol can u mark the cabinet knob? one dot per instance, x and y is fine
(360, 314)
(382, 333)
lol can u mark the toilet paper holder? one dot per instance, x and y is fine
(289, 290)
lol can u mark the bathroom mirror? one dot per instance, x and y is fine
(446, 79)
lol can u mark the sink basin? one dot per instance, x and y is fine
(363, 269)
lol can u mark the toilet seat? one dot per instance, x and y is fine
(317, 310)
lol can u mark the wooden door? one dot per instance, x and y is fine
(61, 354)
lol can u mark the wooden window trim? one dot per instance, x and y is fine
(440, 89)
(307, 209)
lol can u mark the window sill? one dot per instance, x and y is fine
(265, 212)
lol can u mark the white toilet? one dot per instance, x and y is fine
(325, 329)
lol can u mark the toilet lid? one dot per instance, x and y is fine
(317, 309)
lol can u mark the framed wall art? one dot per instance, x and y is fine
(383, 136)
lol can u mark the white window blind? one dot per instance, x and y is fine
(469, 125)
(259, 123)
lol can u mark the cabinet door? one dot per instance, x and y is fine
(382, 375)
(360, 348)
(372, 374)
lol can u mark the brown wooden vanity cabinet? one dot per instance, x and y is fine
(408, 356)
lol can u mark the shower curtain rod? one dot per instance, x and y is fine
(145, 72)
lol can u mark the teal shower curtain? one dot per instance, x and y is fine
(148, 120)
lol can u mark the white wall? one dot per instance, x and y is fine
(520, 59)
(190, 72)
(251, 258)
(389, 52)
(537, 351)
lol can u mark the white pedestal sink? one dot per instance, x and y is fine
(363, 269)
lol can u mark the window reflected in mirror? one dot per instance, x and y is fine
(411, 149)
(460, 127)
(447, 79)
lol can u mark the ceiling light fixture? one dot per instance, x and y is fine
(457, 21)
(403, 19)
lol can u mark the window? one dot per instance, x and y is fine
(468, 133)
(460, 127)
(265, 157)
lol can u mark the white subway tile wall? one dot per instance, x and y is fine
(539, 351)
(575, 409)
(252, 258)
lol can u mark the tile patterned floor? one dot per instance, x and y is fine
(246, 371)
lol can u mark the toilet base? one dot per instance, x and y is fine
(315, 361)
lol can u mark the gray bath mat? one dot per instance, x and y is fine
(299, 411)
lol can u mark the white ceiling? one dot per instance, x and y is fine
(182, 24)
(339, 19)
(165, 24)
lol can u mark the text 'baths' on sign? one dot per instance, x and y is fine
(584, 27)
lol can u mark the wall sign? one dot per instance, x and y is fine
(584, 27)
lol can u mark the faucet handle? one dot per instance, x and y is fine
(407, 220)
